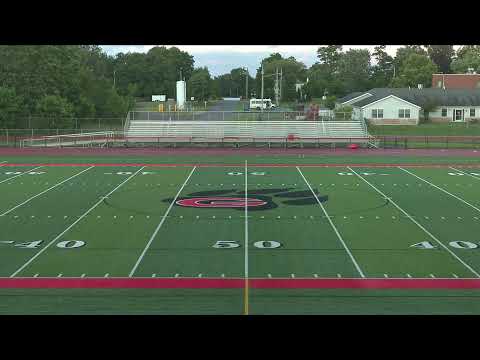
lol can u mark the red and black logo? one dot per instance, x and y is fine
(262, 199)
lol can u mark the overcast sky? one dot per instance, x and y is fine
(220, 59)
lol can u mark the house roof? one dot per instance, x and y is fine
(456, 81)
(420, 97)
(350, 96)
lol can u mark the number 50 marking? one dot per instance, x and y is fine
(228, 244)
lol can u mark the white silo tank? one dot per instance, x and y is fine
(181, 94)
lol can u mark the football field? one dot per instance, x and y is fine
(237, 237)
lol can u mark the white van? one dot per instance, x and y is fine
(256, 104)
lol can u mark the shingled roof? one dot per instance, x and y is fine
(420, 97)
(350, 96)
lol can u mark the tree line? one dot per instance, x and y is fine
(71, 81)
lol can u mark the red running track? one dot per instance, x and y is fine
(237, 283)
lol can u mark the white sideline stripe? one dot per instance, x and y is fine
(246, 222)
(160, 225)
(25, 172)
(43, 192)
(441, 189)
(473, 176)
(418, 224)
(73, 224)
(333, 226)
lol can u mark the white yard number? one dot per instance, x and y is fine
(29, 245)
(228, 244)
(255, 173)
(463, 245)
(267, 244)
(70, 244)
(454, 244)
(423, 245)
(225, 244)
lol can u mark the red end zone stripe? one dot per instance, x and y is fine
(258, 165)
(221, 283)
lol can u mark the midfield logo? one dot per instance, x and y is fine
(263, 199)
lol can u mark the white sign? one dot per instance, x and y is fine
(192, 98)
(158, 97)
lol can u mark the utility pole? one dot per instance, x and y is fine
(277, 88)
(281, 80)
(246, 83)
(262, 90)
(114, 71)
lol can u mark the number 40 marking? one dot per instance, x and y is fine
(454, 244)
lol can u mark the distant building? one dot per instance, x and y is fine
(456, 81)
(403, 106)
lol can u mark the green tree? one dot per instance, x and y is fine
(199, 84)
(354, 70)
(382, 71)
(416, 69)
(442, 56)
(293, 72)
(10, 107)
(57, 109)
(330, 56)
(467, 59)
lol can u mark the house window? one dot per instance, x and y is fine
(404, 113)
(444, 112)
(377, 113)
(472, 112)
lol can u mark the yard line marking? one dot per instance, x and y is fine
(74, 223)
(43, 192)
(473, 176)
(83, 275)
(106, 275)
(160, 225)
(177, 275)
(333, 226)
(432, 276)
(409, 276)
(245, 295)
(418, 224)
(25, 172)
(441, 189)
(36, 275)
(455, 276)
(153, 275)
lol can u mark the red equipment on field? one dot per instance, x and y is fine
(353, 146)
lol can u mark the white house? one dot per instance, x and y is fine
(405, 106)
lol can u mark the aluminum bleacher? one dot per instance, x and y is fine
(301, 132)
